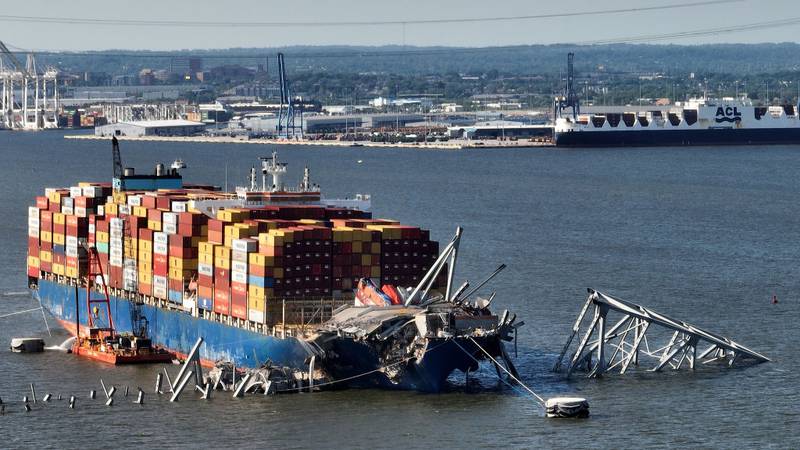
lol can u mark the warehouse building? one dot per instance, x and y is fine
(151, 128)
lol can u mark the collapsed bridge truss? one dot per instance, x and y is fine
(627, 340)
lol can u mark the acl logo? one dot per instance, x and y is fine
(728, 114)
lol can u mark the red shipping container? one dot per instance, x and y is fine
(216, 237)
(145, 289)
(42, 202)
(149, 201)
(160, 265)
(239, 300)
(164, 202)
(146, 234)
(222, 301)
(205, 280)
(154, 215)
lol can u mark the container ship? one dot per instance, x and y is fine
(704, 121)
(699, 121)
(250, 271)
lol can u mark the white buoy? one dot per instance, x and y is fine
(567, 407)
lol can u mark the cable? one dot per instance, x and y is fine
(372, 23)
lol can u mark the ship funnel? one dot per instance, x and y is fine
(159, 170)
(129, 172)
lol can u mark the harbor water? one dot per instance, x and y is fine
(705, 234)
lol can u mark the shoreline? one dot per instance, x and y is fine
(451, 145)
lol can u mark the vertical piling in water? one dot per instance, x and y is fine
(159, 379)
(72, 402)
(33, 393)
(110, 401)
(46, 398)
(311, 374)
(140, 398)
(103, 385)
(126, 391)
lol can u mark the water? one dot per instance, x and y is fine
(705, 234)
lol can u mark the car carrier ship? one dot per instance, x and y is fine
(253, 272)
(698, 121)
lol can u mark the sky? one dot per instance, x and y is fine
(585, 28)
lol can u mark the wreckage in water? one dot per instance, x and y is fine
(418, 343)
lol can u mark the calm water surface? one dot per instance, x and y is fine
(705, 234)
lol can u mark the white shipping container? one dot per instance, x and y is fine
(115, 223)
(160, 292)
(188, 303)
(33, 233)
(124, 210)
(92, 191)
(244, 245)
(101, 210)
(68, 210)
(33, 222)
(75, 191)
(71, 241)
(170, 228)
(239, 277)
(159, 237)
(179, 206)
(255, 315)
(159, 281)
(72, 252)
(67, 201)
(135, 200)
(115, 253)
(205, 269)
(169, 217)
(238, 256)
(33, 212)
(81, 211)
(115, 261)
(92, 228)
(239, 266)
(160, 249)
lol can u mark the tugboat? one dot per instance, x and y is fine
(101, 342)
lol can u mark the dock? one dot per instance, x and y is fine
(460, 144)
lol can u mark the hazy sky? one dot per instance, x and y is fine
(58, 36)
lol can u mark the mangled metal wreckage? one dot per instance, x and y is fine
(418, 343)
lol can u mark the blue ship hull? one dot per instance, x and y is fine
(178, 331)
(675, 138)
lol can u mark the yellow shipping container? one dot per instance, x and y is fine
(58, 269)
(177, 274)
(71, 272)
(46, 236)
(59, 218)
(144, 266)
(357, 247)
(145, 256)
(257, 259)
(54, 197)
(255, 291)
(153, 225)
(182, 264)
(366, 260)
(222, 252)
(145, 277)
(205, 258)
(375, 272)
(33, 261)
(111, 209)
(206, 248)
(101, 236)
(222, 263)
(120, 197)
(146, 246)
(58, 239)
(140, 211)
(45, 256)
(257, 303)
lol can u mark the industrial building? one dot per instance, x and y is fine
(151, 128)
(500, 130)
